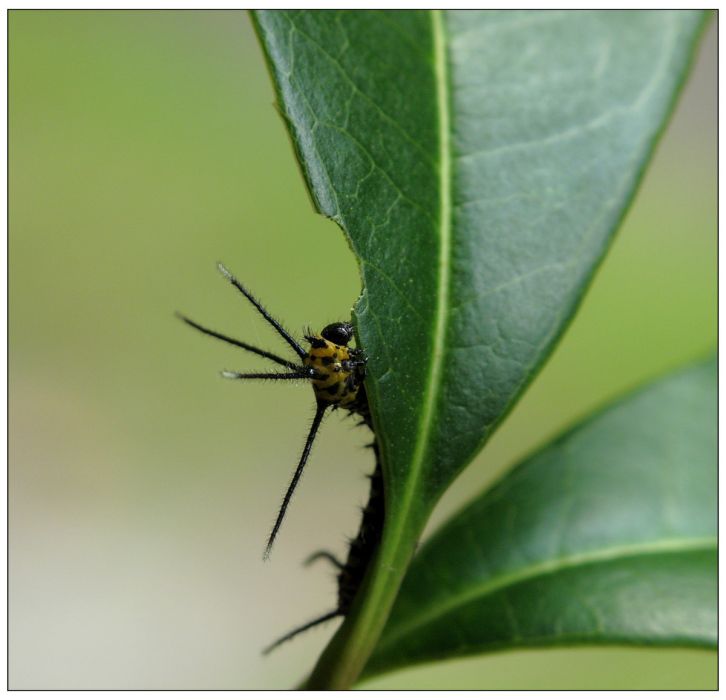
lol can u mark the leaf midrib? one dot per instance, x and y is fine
(550, 566)
(433, 383)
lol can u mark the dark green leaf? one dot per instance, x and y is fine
(606, 536)
(479, 163)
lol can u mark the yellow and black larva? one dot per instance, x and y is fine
(360, 551)
(336, 372)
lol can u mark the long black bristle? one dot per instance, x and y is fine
(302, 373)
(303, 628)
(238, 343)
(324, 554)
(319, 411)
(264, 313)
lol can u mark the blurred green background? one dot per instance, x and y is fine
(144, 147)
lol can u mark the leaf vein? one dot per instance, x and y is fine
(548, 567)
(386, 117)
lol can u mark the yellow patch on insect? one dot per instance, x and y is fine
(334, 382)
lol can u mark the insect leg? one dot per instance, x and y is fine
(319, 411)
(273, 322)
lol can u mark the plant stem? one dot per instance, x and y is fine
(344, 658)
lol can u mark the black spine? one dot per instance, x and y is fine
(362, 547)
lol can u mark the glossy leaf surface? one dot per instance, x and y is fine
(479, 163)
(608, 535)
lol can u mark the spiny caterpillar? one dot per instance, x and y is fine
(360, 552)
(336, 372)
